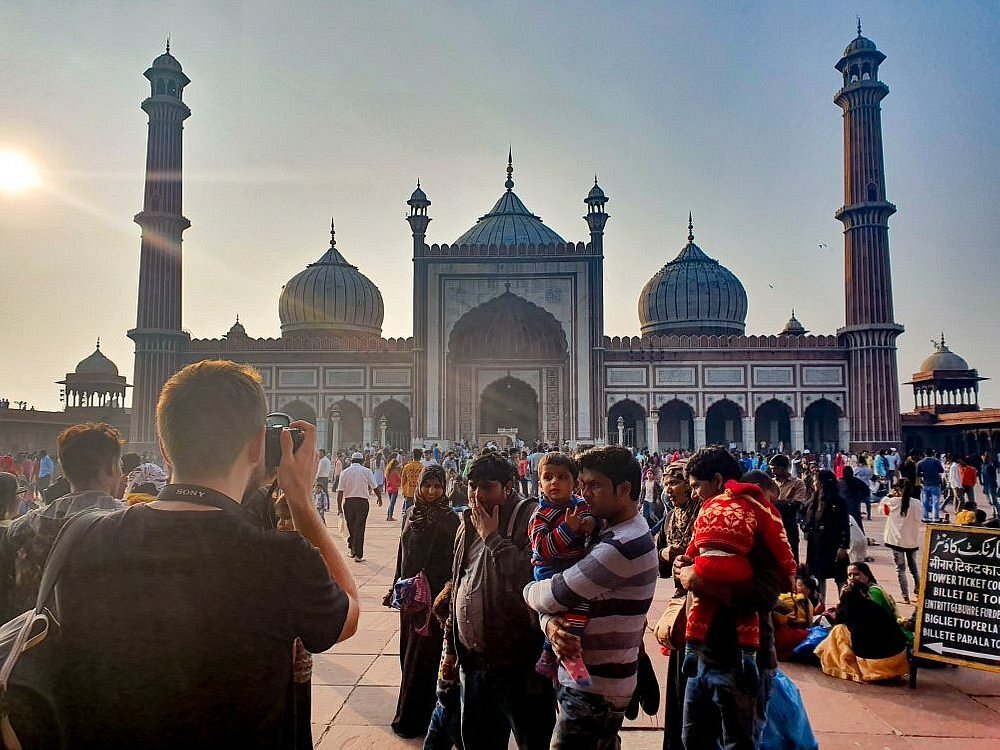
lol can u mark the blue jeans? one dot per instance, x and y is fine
(719, 709)
(586, 721)
(392, 504)
(445, 730)
(991, 495)
(498, 701)
(931, 499)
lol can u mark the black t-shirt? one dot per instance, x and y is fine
(180, 626)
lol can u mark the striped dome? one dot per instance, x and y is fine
(693, 294)
(331, 297)
(509, 222)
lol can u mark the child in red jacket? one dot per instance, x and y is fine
(723, 535)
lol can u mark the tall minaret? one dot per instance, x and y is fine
(870, 331)
(597, 219)
(158, 335)
(418, 221)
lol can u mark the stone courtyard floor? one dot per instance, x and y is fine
(355, 684)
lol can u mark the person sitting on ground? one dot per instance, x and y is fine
(866, 644)
(616, 581)
(180, 615)
(90, 455)
(861, 572)
(559, 529)
(968, 516)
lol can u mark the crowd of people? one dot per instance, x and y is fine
(523, 579)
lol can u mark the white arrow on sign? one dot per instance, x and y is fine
(940, 648)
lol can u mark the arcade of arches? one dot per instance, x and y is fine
(773, 426)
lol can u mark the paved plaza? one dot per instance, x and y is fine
(355, 684)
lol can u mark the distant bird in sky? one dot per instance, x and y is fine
(822, 246)
(770, 286)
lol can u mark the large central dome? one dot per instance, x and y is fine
(331, 297)
(693, 294)
(510, 222)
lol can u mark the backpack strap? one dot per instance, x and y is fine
(36, 623)
(70, 533)
(514, 514)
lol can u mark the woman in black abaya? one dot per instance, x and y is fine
(426, 544)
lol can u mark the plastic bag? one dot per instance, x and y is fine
(817, 633)
(787, 725)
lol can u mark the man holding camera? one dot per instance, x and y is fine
(178, 616)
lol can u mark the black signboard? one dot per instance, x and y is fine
(958, 615)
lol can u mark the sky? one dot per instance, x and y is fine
(303, 111)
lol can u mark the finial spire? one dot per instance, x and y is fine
(237, 318)
(418, 183)
(942, 339)
(98, 343)
(690, 228)
(509, 184)
(333, 235)
(168, 42)
(859, 25)
(793, 312)
(595, 179)
(507, 285)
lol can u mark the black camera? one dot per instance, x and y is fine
(276, 423)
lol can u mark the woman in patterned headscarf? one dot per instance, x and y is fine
(672, 540)
(426, 544)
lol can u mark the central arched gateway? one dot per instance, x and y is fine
(509, 403)
(508, 367)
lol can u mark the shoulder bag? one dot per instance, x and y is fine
(28, 698)
(670, 628)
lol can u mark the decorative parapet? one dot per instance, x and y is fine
(508, 251)
(303, 343)
(652, 341)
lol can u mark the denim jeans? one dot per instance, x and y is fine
(445, 729)
(392, 504)
(991, 495)
(719, 709)
(586, 721)
(931, 499)
(498, 701)
(907, 558)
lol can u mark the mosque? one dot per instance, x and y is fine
(508, 326)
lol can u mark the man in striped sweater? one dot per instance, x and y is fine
(615, 582)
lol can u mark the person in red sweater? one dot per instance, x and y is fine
(723, 535)
(969, 475)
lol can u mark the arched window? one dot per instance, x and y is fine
(866, 72)
(854, 74)
(161, 87)
(872, 192)
(172, 88)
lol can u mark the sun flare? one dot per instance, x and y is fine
(17, 172)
